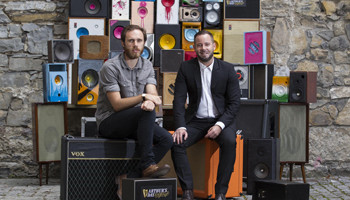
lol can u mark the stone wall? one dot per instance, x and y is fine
(308, 35)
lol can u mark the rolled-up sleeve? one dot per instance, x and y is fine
(108, 80)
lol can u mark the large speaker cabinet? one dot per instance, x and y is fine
(294, 132)
(261, 77)
(49, 125)
(89, 166)
(204, 160)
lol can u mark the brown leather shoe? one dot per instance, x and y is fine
(154, 171)
(187, 195)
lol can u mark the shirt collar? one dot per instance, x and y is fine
(125, 65)
(202, 66)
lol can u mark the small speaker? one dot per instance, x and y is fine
(167, 37)
(49, 125)
(55, 82)
(170, 60)
(89, 166)
(148, 51)
(212, 15)
(261, 81)
(85, 81)
(168, 88)
(142, 14)
(120, 9)
(190, 55)
(189, 30)
(168, 12)
(190, 3)
(233, 34)
(303, 87)
(190, 14)
(263, 161)
(243, 78)
(294, 132)
(84, 26)
(257, 47)
(60, 51)
(89, 8)
(94, 47)
(242, 9)
(115, 33)
(217, 35)
(281, 190)
(280, 88)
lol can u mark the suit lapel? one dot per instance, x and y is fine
(215, 74)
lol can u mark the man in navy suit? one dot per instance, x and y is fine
(214, 98)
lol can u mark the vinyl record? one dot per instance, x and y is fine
(62, 51)
(190, 33)
(92, 6)
(90, 78)
(167, 41)
(118, 32)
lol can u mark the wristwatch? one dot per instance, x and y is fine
(143, 97)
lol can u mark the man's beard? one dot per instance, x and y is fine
(131, 55)
(205, 59)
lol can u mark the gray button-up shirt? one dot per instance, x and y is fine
(116, 76)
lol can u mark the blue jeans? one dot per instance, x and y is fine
(135, 123)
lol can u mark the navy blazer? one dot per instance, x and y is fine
(224, 88)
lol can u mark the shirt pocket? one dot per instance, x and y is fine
(141, 84)
(125, 88)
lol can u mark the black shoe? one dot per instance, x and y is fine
(187, 195)
(220, 197)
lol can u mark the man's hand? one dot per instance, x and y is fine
(213, 132)
(180, 135)
(148, 105)
(155, 99)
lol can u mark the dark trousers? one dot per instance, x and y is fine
(197, 129)
(135, 123)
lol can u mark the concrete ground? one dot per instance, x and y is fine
(331, 188)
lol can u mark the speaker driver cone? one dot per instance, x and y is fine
(146, 53)
(190, 33)
(62, 51)
(82, 31)
(212, 17)
(195, 14)
(92, 7)
(58, 80)
(297, 94)
(167, 41)
(118, 32)
(261, 170)
(90, 78)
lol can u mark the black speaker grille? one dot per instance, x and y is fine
(95, 179)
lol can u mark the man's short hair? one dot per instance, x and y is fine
(203, 32)
(131, 28)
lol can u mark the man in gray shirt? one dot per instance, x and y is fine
(127, 99)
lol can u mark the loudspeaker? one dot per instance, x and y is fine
(144, 189)
(233, 34)
(258, 118)
(204, 160)
(148, 51)
(113, 54)
(88, 127)
(281, 190)
(170, 60)
(120, 9)
(168, 88)
(89, 166)
(242, 9)
(280, 88)
(49, 124)
(190, 55)
(142, 14)
(55, 82)
(212, 15)
(257, 47)
(60, 51)
(84, 26)
(263, 161)
(168, 12)
(294, 132)
(303, 87)
(243, 78)
(190, 3)
(261, 81)
(189, 30)
(217, 35)
(89, 8)
(94, 47)
(167, 37)
(85, 81)
(190, 14)
(115, 33)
